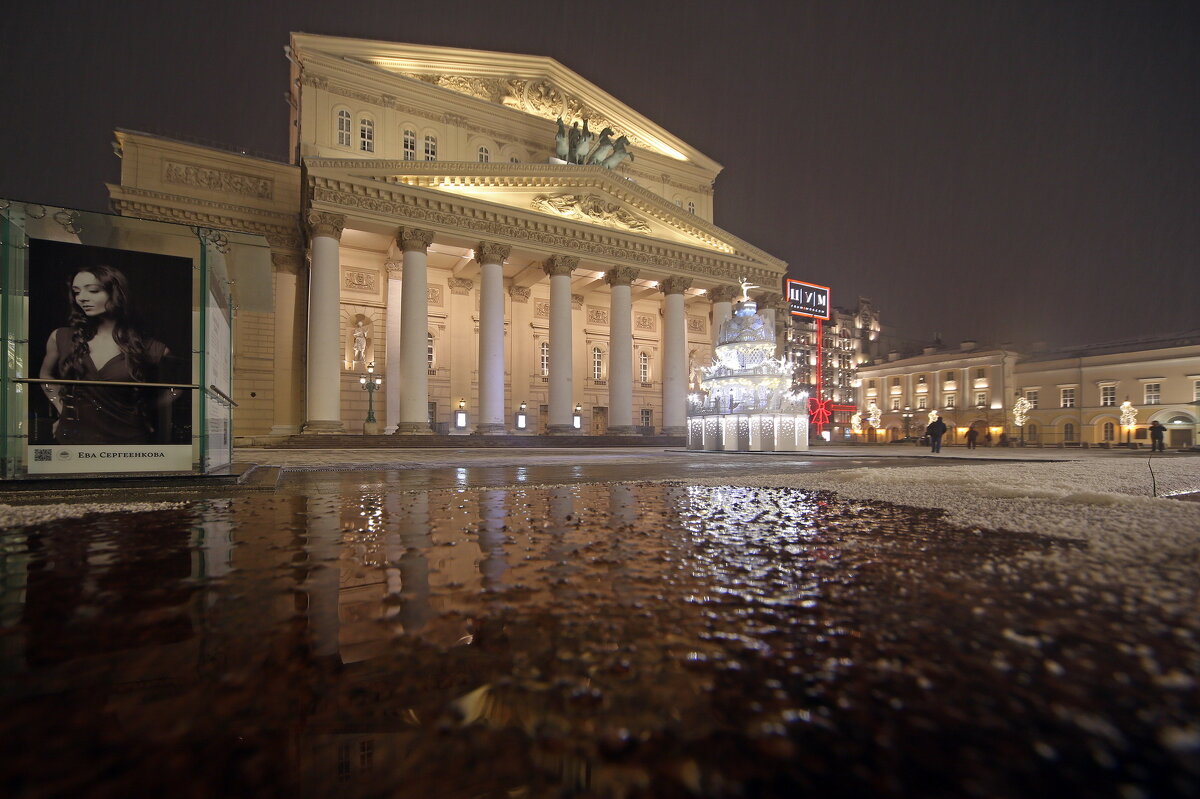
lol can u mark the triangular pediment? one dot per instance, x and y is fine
(535, 85)
(584, 196)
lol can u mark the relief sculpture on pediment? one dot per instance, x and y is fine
(589, 208)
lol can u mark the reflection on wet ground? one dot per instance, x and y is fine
(402, 634)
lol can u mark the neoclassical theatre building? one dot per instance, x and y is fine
(438, 224)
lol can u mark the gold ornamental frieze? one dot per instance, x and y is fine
(589, 208)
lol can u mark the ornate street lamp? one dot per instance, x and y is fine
(907, 415)
(577, 418)
(460, 415)
(370, 383)
(522, 417)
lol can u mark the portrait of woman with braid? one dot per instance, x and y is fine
(104, 341)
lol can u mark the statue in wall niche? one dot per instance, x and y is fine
(360, 341)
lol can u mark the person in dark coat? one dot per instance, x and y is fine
(935, 431)
(972, 437)
(1156, 437)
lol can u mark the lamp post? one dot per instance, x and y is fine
(577, 418)
(522, 417)
(907, 416)
(460, 415)
(370, 383)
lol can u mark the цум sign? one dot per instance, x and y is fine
(807, 299)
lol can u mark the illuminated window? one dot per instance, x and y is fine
(410, 145)
(343, 128)
(1109, 431)
(949, 400)
(366, 135)
(644, 367)
(1108, 395)
(1032, 397)
(485, 155)
(1153, 393)
(544, 356)
(597, 363)
(431, 148)
(896, 404)
(1066, 398)
(981, 398)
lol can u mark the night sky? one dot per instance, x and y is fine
(1005, 171)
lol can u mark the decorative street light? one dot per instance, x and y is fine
(370, 383)
(907, 415)
(577, 418)
(522, 417)
(460, 415)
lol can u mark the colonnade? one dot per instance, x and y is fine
(406, 374)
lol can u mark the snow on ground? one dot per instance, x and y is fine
(1148, 547)
(17, 515)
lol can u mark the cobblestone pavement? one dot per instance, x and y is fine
(599, 625)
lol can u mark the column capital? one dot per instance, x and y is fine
(723, 293)
(560, 265)
(460, 285)
(394, 268)
(322, 223)
(621, 275)
(577, 302)
(519, 293)
(675, 285)
(768, 299)
(287, 263)
(489, 252)
(413, 239)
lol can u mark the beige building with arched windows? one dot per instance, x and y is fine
(427, 226)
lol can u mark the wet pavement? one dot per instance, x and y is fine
(574, 631)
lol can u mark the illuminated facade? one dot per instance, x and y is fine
(429, 224)
(1066, 398)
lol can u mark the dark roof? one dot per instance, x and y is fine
(1159, 341)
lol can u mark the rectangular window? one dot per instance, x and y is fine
(981, 398)
(921, 404)
(366, 754)
(647, 417)
(366, 135)
(980, 374)
(1032, 396)
(921, 379)
(949, 400)
(410, 145)
(343, 762)
(1153, 393)
(1066, 398)
(344, 128)
(1196, 391)
(871, 384)
(895, 382)
(431, 148)
(1108, 395)
(896, 404)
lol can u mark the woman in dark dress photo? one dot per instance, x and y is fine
(102, 341)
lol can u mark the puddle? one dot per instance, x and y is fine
(354, 639)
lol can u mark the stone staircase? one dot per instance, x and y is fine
(434, 441)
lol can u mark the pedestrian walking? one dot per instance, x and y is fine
(987, 438)
(935, 431)
(1156, 437)
(972, 437)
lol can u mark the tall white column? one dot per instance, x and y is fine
(324, 339)
(392, 376)
(620, 352)
(722, 307)
(413, 416)
(559, 268)
(286, 417)
(674, 356)
(491, 337)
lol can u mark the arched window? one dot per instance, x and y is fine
(514, 160)
(597, 363)
(1068, 432)
(485, 155)
(691, 207)
(429, 350)
(544, 357)
(644, 367)
(430, 147)
(410, 145)
(1109, 431)
(343, 128)
(366, 135)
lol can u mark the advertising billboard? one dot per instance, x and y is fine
(116, 327)
(808, 299)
